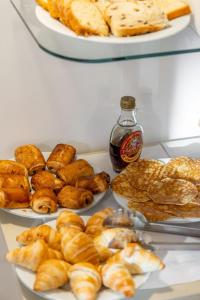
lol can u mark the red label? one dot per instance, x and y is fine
(131, 147)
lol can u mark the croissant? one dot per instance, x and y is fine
(44, 232)
(51, 274)
(12, 167)
(14, 198)
(96, 184)
(94, 225)
(61, 156)
(30, 256)
(68, 218)
(78, 247)
(117, 277)
(113, 238)
(31, 157)
(44, 201)
(85, 281)
(14, 181)
(137, 259)
(79, 168)
(55, 254)
(74, 198)
(45, 179)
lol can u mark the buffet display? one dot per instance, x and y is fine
(120, 18)
(85, 254)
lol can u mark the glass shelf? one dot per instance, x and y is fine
(186, 41)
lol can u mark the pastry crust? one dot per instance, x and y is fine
(98, 183)
(13, 168)
(44, 201)
(14, 181)
(74, 198)
(69, 219)
(45, 179)
(14, 198)
(61, 156)
(31, 157)
(79, 168)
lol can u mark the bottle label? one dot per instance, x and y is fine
(131, 147)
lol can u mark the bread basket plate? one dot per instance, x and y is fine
(29, 213)
(176, 26)
(123, 202)
(28, 277)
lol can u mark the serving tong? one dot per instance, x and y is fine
(137, 221)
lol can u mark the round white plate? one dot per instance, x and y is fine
(29, 213)
(176, 26)
(28, 277)
(122, 201)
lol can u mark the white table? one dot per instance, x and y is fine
(12, 225)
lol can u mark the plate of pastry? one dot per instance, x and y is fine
(162, 190)
(112, 21)
(71, 258)
(40, 185)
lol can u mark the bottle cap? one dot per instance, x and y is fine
(127, 102)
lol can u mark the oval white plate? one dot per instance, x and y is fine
(122, 201)
(29, 213)
(28, 277)
(176, 26)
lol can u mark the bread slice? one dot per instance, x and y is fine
(174, 8)
(134, 18)
(86, 19)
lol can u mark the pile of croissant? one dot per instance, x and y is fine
(61, 181)
(81, 255)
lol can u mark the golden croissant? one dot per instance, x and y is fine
(137, 259)
(96, 184)
(118, 278)
(68, 218)
(45, 179)
(51, 274)
(78, 247)
(44, 232)
(94, 225)
(85, 281)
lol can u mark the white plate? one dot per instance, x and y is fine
(29, 213)
(176, 26)
(122, 201)
(28, 277)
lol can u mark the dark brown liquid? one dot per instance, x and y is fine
(117, 162)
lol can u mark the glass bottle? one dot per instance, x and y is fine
(126, 139)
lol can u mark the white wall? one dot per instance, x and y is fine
(46, 100)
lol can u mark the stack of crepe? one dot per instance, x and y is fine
(161, 191)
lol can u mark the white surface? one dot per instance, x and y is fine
(28, 277)
(175, 26)
(195, 5)
(95, 162)
(183, 147)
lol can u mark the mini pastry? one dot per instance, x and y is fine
(67, 219)
(51, 274)
(13, 168)
(79, 168)
(45, 179)
(44, 201)
(61, 156)
(96, 184)
(85, 281)
(44, 232)
(14, 181)
(31, 157)
(74, 198)
(78, 247)
(14, 198)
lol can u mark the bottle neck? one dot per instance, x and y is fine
(127, 118)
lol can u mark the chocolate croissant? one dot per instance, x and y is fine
(61, 156)
(44, 201)
(14, 198)
(96, 184)
(79, 168)
(12, 167)
(45, 179)
(31, 157)
(74, 198)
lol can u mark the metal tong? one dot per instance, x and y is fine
(137, 221)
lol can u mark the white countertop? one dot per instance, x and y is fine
(12, 225)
